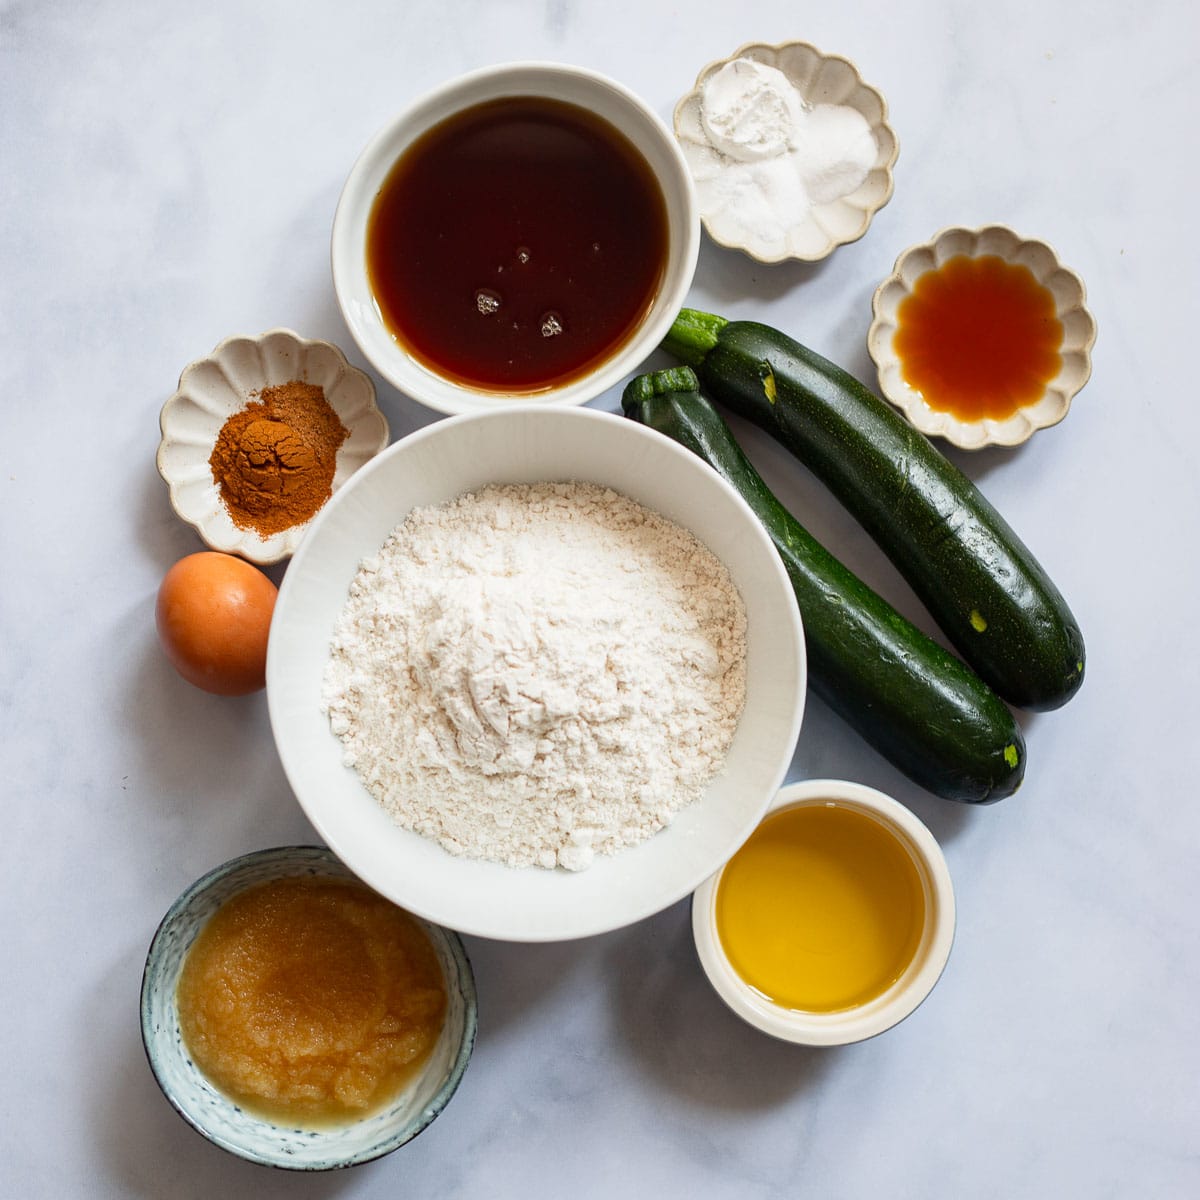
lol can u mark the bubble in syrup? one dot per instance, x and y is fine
(551, 325)
(522, 254)
(487, 301)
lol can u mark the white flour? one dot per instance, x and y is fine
(538, 673)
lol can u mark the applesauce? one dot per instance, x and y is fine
(311, 999)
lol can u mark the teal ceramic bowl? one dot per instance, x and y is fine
(255, 1138)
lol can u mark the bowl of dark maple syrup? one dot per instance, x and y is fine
(981, 336)
(525, 233)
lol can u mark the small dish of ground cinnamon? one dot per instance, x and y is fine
(274, 460)
(259, 435)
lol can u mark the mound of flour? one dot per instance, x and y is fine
(538, 673)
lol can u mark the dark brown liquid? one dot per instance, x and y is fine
(978, 337)
(517, 245)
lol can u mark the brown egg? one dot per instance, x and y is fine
(213, 616)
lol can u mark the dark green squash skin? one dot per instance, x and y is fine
(960, 557)
(910, 698)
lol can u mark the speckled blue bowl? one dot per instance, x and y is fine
(221, 1120)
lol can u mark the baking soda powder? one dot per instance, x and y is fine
(771, 157)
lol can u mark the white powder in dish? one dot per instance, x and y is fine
(538, 673)
(772, 157)
(750, 110)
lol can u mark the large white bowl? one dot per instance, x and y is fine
(574, 85)
(528, 444)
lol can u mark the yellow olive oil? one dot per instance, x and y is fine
(822, 909)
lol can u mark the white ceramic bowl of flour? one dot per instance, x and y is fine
(529, 444)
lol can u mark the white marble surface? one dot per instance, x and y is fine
(169, 177)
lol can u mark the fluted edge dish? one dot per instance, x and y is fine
(213, 388)
(1070, 298)
(820, 79)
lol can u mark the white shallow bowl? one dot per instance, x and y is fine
(820, 79)
(598, 94)
(527, 444)
(905, 995)
(225, 1124)
(1070, 297)
(213, 388)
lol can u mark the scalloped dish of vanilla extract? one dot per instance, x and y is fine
(978, 337)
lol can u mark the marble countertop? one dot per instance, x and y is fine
(170, 173)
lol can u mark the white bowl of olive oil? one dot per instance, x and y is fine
(833, 921)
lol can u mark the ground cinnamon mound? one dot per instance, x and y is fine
(274, 461)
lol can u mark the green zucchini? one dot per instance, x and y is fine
(980, 583)
(914, 701)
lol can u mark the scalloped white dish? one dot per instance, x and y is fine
(737, 222)
(1070, 305)
(213, 388)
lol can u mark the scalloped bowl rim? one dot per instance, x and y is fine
(887, 166)
(976, 434)
(248, 544)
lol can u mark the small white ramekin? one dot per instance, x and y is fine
(903, 997)
(555, 81)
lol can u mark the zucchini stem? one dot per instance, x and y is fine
(693, 335)
(658, 383)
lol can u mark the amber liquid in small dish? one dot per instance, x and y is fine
(822, 910)
(517, 245)
(978, 337)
